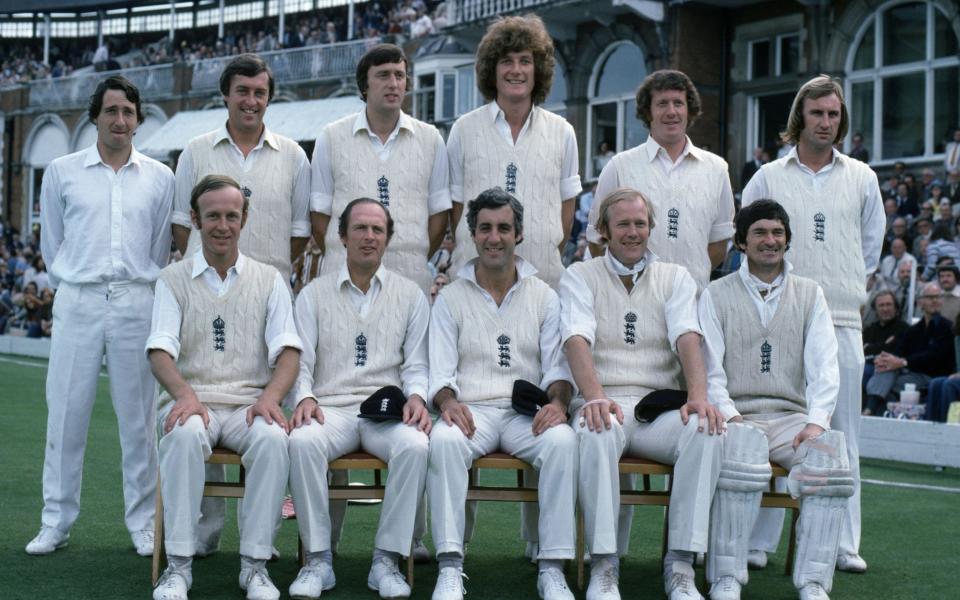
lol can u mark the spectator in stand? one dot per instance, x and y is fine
(924, 351)
(889, 187)
(890, 211)
(881, 335)
(948, 276)
(928, 181)
(922, 231)
(858, 151)
(941, 244)
(952, 188)
(951, 154)
(906, 205)
(890, 264)
(898, 230)
(751, 166)
(37, 273)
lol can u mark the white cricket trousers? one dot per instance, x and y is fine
(88, 322)
(695, 456)
(846, 418)
(404, 449)
(263, 450)
(553, 454)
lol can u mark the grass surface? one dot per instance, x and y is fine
(910, 538)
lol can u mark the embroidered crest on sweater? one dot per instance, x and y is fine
(765, 350)
(512, 178)
(629, 328)
(360, 351)
(504, 349)
(673, 222)
(819, 222)
(383, 190)
(219, 336)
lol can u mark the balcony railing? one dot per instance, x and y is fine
(465, 11)
(75, 90)
(314, 63)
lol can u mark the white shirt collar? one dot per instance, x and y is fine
(524, 269)
(362, 124)
(620, 270)
(792, 155)
(92, 157)
(267, 137)
(494, 111)
(754, 284)
(200, 264)
(343, 276)
(653, 148)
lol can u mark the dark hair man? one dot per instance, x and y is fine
(837, 213)
(105, 215)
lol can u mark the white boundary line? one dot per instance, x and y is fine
(913, 486)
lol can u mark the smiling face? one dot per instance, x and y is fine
(627, 230)
(366, 237)
(515, 76)
(495, 238)
(116, 122)
(766, 242)
(220, 220)
(668, 116)
(821, 122)
(386, 86)
(247, 102)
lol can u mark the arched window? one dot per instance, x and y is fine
(613, 107)
(556, 100)
(903, 81)
(48, 139)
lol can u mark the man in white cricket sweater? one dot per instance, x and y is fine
(364, 328)
(274, 175)
(772, 373)
(497, 324)
(688, 187)
(834, 204)
(513, 143)
(629, 327)
(273, 170)
(225, 348)
(385, 154)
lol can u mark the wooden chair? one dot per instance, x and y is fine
(500, 460)
(221, 456)
(646, 496)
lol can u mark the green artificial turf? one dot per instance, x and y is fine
(910, 538)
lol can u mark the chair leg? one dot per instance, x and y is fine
(157, 537)
(580, 544)
(410, 569)
(792, 548)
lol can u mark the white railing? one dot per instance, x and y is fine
(314, 63)
(76, 89)
(464, 11)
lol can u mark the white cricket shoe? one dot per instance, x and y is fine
(813, 591)
(312, 580)
(173, 585)
(679, 584)
(450, 584)
(385, 578)
(143, 542)
(552, 586)
(851, 563)
(604, 583)
(756, 559)
(725, 588)
(48, 540)
(256, 582)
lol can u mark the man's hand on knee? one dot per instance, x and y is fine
(183, 409)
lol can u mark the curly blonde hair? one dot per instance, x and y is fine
(516, 34)
(619, 195)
